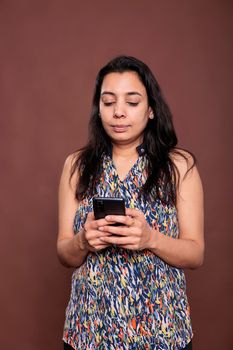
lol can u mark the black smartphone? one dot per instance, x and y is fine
(103, 206)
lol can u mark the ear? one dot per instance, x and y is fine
(150, 113)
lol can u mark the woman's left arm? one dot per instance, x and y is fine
(188, 250)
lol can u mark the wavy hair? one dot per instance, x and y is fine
(159, 139)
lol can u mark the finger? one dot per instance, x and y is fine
(95, 234)
(115, 230)
(90, 216)
(119, 240)
(97, 242)
(135, 213)
(101, 245)
(121, 219)
(103, 222)
(95, 224)
(129, 246)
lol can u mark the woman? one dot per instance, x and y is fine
(128, 288)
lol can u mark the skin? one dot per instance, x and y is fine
(124, 112)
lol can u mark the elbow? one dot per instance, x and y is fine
(62, 256)
(196, 264)
(67, 262)
(66, 257)
(201, 260)
(63, 261)
(198, 261)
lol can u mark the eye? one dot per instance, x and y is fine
(133, 104)
(107, 104)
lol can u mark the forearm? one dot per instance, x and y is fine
(71, 251)
(181, 253)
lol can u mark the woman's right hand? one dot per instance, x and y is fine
(90, 237)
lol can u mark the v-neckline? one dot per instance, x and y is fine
(128, 173)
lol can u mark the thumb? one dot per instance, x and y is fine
(90, 216)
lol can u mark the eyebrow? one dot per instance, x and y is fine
(130, 93)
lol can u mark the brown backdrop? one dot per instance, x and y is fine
(50, 54)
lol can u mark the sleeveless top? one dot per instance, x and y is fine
(123, 299)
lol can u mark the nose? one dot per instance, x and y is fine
(119, 111)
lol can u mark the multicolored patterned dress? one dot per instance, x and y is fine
(122, 299)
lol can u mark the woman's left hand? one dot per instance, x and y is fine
(134, 233)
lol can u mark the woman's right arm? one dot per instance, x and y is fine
(72, 249)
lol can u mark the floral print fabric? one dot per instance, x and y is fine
(122, 299)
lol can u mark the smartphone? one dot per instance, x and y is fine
(103, 206)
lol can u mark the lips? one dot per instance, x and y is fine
(120, 128)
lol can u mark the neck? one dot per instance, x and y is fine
(125, 150)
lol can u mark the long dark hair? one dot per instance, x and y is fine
(159, 140)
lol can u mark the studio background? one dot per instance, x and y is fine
(50, 52)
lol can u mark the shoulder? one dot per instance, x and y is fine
(188, 180)
(69, 173)
(184, 162)
(70, 161)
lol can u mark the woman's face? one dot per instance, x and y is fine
(124, 108)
